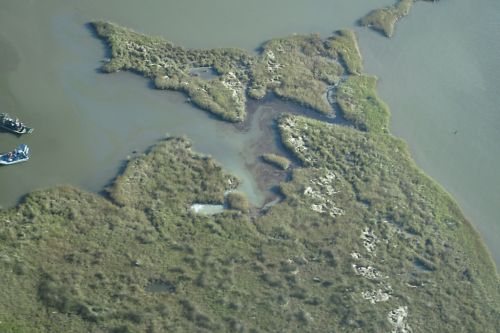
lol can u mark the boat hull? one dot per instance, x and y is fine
(24, 130)
(13, 126)
(4, 161)
(18, 155)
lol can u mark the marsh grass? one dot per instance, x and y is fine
(344, 46)
(277, 161)
(424, 232)
(359, 103)
(298, 68)
(169, 67)
(384, 19)
(88, 261)
(237, 201)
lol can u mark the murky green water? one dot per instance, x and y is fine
(439, 75)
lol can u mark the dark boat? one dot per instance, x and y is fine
(18, 155)
(14, 126)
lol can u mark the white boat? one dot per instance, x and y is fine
(18, 155)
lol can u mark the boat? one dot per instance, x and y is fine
(13, 125)
(18, 155)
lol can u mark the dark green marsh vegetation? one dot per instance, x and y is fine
(299, 68)
(361, 237)
(384, 19)
(278, 161)
(237, 201)
(358, 100)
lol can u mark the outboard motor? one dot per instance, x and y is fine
(23, 150)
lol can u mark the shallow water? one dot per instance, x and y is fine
(439, 75)
(207, 209)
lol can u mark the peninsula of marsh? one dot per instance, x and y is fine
(301, 69)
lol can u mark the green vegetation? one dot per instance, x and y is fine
(412, 240)
(276, 160)
(169, 66)
(362, 238)
(237, 201)
(297, 68)
(363, 241)
(384, 19)
(160, 187)
(343, 44)
(358, 100)
(6, 327)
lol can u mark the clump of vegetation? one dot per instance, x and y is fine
(278, 161)
(297, 68)
(384, 20)
(170, 67)
(358, 100)
(169, 187)
(238, 201)
(344, 45)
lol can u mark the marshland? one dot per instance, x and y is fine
(358, 225)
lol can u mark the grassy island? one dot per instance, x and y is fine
(278, 161)
(384, 20)
(362, 241)
(299, 68)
